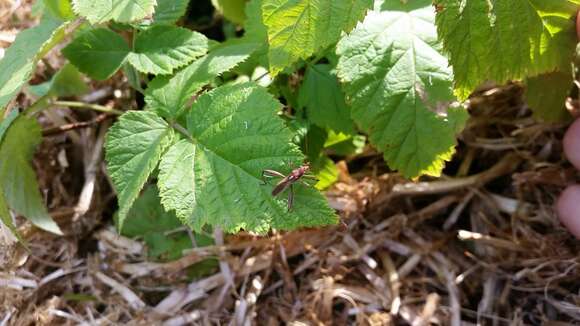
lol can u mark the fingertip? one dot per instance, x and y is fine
(571, 143)
(568, 209)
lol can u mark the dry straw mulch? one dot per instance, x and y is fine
(479, 246)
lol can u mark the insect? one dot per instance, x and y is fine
(288, 181)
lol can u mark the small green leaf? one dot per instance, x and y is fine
(344, 145)
(17, 178)
(68, 82)
(216, 179)
(97, 52)
(299, 28)
(169, 11)
(169, 95)
(546, 95)
(134, 146)
(149, 220)
(396, 80)
(326, 172)
(231, 9)
(122, 11)
(161, 49)
(60, 8)
(17, 65)
(485, 42)
(323, 99)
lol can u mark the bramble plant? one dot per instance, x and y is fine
(394, 71)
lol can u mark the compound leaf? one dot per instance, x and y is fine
(299, 28)
(215, 178)
(396, 79)
(485, 42)
(323, 99)
(18, 62)
(17, 178)
(122, 11)
(169, 11)
(161, 49)
(97, 52)
(134, 146)
(168, 96)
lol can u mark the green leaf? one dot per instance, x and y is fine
(323, 98)
(216, 179)
(17, 65)
(169, 95)
(344, 145)
(7, 219)
(396, 81)
(149, 220)
(546, 95)
(122, 11)
(486, 42)
(17, 178)
(68, 82)
(169, 11)
(326, 172)
(231, 9)
(161, 49)
(299, 28)
(60, 8)
(4, 212)
(134, 146)
(97, 52)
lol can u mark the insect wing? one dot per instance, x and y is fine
(281, 186)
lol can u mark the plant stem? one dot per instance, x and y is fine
(81, 105)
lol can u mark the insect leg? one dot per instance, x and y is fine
(270, 174)
(290, 197)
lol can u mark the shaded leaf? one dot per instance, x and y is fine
(231, 9)
(546, 95)
(68, 82)
(323, 98)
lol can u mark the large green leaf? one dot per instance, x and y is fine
(299, 28)
(169, 11)
(134, 146)
(123, 11)
(97, 52)
(396, 80)
(505, 39)
(18, 62)
(17, 178)
(323, 98)
(215, 178)
(169, 95)
(161, 49)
